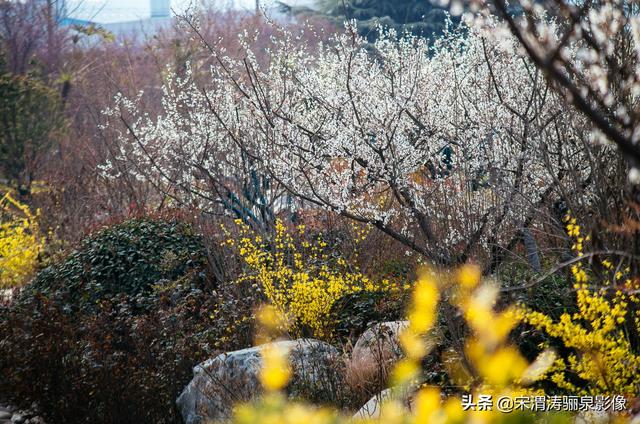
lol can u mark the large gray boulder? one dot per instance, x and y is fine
(221, 382)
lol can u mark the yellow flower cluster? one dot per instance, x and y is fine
(303, 280)
(422, 316)
(429, 405)
(491, 364)
(20, 242)
(602, 353)
(495, 361)
(275, 371)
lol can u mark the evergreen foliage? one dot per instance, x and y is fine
(128, 258)
(418, 17)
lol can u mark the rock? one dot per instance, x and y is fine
(232, 377)
(375, 354)
(5, 415)
(18, 419)
(371, 409)
(379, 342)
(373, 357)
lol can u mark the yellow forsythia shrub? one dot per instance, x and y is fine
(603, 355)
(20, 242)
(501, 371)
(300, 277)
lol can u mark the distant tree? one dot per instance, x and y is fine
(30, 116)
(416, 16)
(32, 48)
(30, 36)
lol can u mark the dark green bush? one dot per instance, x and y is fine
(127, 258)
(110, 366)
(111, 333)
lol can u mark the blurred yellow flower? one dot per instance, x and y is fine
(275, 371)
(404, 371)
(469, 275)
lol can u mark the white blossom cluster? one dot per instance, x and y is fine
(448, 146)
(590, 50)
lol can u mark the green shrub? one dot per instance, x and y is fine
(127, 258)
(110, 366)
(125, 356)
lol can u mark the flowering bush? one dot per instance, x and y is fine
(21, 242)
(448, 147)
(495, 366)
(304, 279)
(590, 51)
(603, 358)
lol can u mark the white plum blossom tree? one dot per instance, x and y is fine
(589, 49)
(453, 148)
